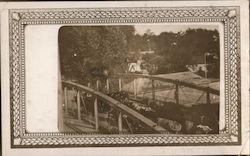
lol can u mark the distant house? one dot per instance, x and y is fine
(135, 67)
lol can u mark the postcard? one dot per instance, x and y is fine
(125, 78)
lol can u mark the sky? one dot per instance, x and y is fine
(157, 29)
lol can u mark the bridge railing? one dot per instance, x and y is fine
(88, 98)
(158, 88)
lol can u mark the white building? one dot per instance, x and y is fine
(135, 67)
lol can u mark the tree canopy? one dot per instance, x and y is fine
(86, 51)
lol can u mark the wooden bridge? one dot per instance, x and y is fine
(94, 96)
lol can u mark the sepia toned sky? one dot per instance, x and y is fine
(157, 29)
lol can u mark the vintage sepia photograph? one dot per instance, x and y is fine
(125, 78)
(140, 79)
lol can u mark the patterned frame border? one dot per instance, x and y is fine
(19, 18)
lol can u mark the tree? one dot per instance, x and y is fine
(85, 51)
(188, 47)
(200, 41)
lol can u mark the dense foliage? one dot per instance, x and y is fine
(89, 52)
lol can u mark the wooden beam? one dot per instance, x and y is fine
(208, 98)
(78, 105)
(84, 105)
(97, 85)
(89, 85)
(120, 84)
(120, 123)
(129, 125)
(107, 85)
(153, 91)
(177, 94)
(96, 114)
(135, 87)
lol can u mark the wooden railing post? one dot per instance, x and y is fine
(107, 85)
(135, 89)
(96, 114)
(208, 98)
(153, 91)
(78, 105)
(120, 84)
(120, 122)
(89, 84)
(177, 93)
(66, 99)
(97, 85)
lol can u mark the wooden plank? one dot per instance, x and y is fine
(89, 85)
(107, 85)
(96, 114)
(97, 85)
(208, 98)
(73, 127)
(78, 105)
(177, 94)
(120, 84)
(153, 91)
(84, 105)
(134, 88)
(129, 125)
(120, 122)
(82, 123)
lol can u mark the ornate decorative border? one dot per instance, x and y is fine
(19, 18)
